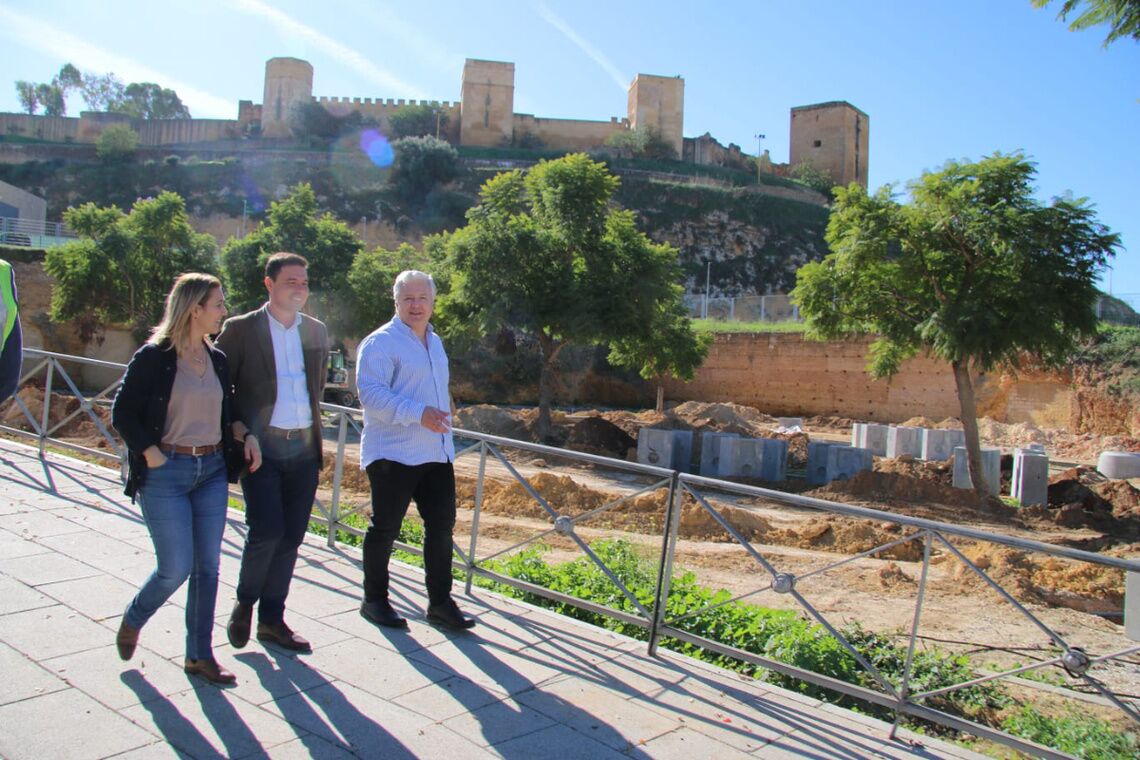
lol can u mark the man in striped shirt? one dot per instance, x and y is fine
(407, 450)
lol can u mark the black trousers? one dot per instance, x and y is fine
(278, 503)
(394, 485)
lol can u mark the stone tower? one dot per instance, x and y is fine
(659, 103)
(487, 108)
(833, 137)
(288, 82)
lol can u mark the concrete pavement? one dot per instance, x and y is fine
(525, 683)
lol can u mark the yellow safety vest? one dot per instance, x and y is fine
(8, 299)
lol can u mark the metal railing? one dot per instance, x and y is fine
(36, 234)
(484, 459)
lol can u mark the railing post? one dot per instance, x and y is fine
(475, 516)
(338, 472)
(665, 566)
(47, 406)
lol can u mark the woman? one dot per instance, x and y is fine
(171, 410)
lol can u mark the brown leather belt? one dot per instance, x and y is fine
(194, 451)
(289, 434)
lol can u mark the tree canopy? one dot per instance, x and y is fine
(546, 253)
(417, 121)
(123, 265)
(973, 270)
(101, 92)
(1121, 16)
(294, 225)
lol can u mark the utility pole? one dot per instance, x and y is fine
(705, 305)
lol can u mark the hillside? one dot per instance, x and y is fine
(755, 235)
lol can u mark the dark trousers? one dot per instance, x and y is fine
(278, 503)
(394, 485)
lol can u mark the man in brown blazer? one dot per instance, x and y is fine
(277, 360)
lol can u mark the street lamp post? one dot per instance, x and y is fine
(759, 139)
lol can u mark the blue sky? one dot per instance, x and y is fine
(939, 80)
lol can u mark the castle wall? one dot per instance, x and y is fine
(381, 110)
(834, 137)
(487, 104)
(159, 132)
(53, 128)
(659, 103)
(567, 134)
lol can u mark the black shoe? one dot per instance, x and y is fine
(381, 613)
(449, 616)
(283, 636)
(126, 640)
(237, 631)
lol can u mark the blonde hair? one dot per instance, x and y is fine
(190, 290)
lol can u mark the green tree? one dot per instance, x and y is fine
(814, 177)
(545, 252)
(102, 92)
(1122, 16)
(29, 97)
(370, 284)
(642, 142)
(421, 165)
(973, 270)
(294, 225)
(51, 96)
(116, 143)
(123, 265)
(147, 100)
(417, 121)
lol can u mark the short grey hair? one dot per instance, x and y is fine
(408, 275)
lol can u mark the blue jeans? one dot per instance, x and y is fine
(184, 505)
(278, 504)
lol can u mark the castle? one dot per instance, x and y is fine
(832, 136)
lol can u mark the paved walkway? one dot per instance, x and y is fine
(525, 683)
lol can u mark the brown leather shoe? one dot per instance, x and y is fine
(209, 669)
(237, 630)
(281, 635)
(126, 640)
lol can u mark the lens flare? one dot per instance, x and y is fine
(376, 147)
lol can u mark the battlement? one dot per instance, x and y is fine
(383, 102)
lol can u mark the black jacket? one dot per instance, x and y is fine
(139, 411)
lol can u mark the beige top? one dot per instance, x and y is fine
(194, 413)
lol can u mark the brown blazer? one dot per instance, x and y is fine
(248, 348)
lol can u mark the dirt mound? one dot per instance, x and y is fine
(1056, 582)
(723, 417)
(828, 422)
(492, 420)
(595, 435)
(889, 487)
(80, 428)
(908, 466)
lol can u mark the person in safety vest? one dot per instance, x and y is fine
(11, 338)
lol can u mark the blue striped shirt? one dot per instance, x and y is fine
(397, 377)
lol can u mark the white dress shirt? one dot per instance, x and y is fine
(397, 377)
(291, 409)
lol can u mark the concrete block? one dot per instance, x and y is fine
(938, 445)
(741, 457)
(764, 458)
(816, 474)
(904, 440)
(774, 460)
(875, 439)
(857, 433)
(1030, 483)
(789, 423)
(1118, 464)
(991, 469)
(711, 452)
(844, 461)
(665, 448)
